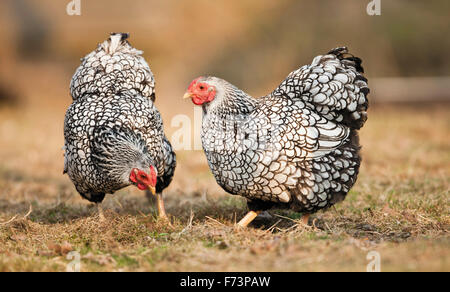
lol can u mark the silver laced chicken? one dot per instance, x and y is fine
(295, 148)
(113, 132)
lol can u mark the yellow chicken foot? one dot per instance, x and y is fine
(248, 219)
(305, 219)
(161, 209)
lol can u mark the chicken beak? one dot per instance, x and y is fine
(152, 190)
(187, 95)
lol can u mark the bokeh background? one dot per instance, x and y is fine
(253, 44)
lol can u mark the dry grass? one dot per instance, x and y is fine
(399, 206)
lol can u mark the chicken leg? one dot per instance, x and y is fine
(161, 208)
(248, 219)
(305, 219)
(159, 204)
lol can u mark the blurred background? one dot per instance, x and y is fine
(253, 44)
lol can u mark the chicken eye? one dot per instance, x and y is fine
(201, 87)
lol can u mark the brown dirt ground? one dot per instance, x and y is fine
(399, 206)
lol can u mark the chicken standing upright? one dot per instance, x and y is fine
(113, 131)
(297, 147)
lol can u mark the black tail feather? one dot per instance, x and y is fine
(347, 58)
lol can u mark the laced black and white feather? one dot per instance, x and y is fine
(115, 66)
(113, 126)
(298, 146)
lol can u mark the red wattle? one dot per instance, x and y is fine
(133, 176)
(197, 100)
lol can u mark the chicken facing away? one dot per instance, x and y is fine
(113, 131)
(295, 148)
